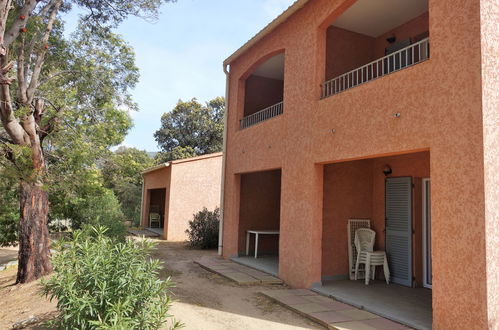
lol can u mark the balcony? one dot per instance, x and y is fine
(396, 61)
(263, 92)
(262, 115)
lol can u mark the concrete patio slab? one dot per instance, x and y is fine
(240, 274)
(353, 325)
(328, 312)
(266, 264)
(410, 306)
(311, 308)
(241, 278)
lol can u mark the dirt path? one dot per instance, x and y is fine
(203, 300)
(208, 301)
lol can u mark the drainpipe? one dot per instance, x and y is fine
(224, 159)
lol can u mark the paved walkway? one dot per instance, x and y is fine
(328, 312)
(240, 274)
(323, 310)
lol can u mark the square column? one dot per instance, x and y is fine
(300, 245)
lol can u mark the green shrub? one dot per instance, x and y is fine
(100, 209)
(9, 210)
(100, 283)
(203, 229)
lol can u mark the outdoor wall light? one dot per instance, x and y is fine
(391, 39)
(387, 170)
(397, 115)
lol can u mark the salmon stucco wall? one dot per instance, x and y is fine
(261, 92)
(260, 205)
(447, 104)
(195, 184)
(347, 50)
(348, 194)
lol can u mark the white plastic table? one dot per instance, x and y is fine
(257, 233)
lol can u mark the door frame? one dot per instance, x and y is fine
(426, 221)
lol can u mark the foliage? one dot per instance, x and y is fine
(112, 12)
(9, 210)
(102, 284)
(203, 229)
(121, 171)
(87, 201)
(191, 129)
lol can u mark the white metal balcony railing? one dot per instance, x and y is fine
(262, 115)
(403, 58)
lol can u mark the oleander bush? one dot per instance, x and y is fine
(203, 229)
(102, 283)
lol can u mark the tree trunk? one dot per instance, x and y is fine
(34, 250)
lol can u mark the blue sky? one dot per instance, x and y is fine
(180, 56)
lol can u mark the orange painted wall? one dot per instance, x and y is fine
(347, 50)
(260, 209)
(348, 191)
(444, 108)
(261, 93)
(195, 184)
(190, 184)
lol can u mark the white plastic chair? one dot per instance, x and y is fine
(373, 259)
(154, 220)
(364, 243)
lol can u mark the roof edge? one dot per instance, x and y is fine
(298, 4)
(155, 168)
(193, 159)
(180, 161)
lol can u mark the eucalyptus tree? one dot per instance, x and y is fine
(48, 82)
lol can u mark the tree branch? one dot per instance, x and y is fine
(4, 15)
(21, 79)
(55, 75)
(19, 22)
(41, 54)
(4, 74)
(9, 121)
(51, 123)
